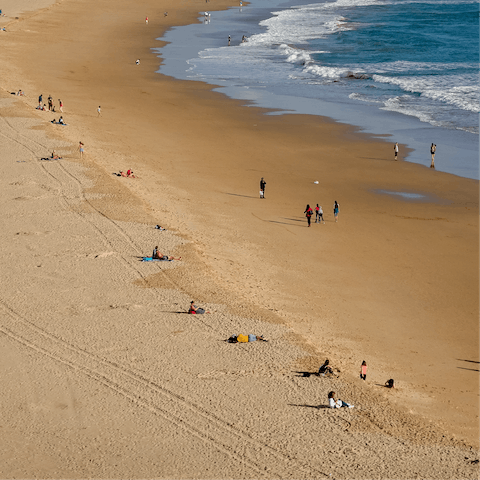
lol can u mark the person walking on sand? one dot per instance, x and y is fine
(433, 149)
(308, 213)
(395, 149)
(335, 210)
(263, 183)
(146, 20)
(80, 149)
(363, 370)
(229, 39)
(40, 100)
(320, 214)
(99, 111)
(61, 105)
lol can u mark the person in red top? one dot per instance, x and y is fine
(363, 370)
(308, 213)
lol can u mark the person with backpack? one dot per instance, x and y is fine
(308, 213)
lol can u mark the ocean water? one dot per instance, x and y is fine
(407, 68)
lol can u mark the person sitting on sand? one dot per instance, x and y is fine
(246, 338)
(55, 156)
(334, 403)
(193, 310)
(130, 173)
(160, 256)
(60, 121)
(325, 369)
(390, 383)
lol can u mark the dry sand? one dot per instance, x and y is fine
(104, 376)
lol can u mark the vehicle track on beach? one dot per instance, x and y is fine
(257, 458)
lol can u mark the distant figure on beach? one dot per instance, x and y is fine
(263, 183)
(390, 383)
(137, 61)
(99, 111)
(229, 39)
(246, 338)
(40, 100)
(194, 310)
(50, 102)
(433, 149)
(395, 149)
(81, 149)
(319, 214)
(244, 39)
(334, 403)
(335, 210)
(363, 370)
(159, 227)
(61, 121)
(61, 105)
(325, 369)
(146, 20)
(308, 213)
(55, 156)
(165, 14)
(160, 256)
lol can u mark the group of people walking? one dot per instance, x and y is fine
(319, 213)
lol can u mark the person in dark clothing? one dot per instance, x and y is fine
(308, 213)
(262, 188)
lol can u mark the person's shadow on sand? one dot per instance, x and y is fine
(305, 374)
(318, 407)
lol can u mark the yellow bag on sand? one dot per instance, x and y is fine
(242, 338)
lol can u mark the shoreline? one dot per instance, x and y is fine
(459, 149)
(214, 203)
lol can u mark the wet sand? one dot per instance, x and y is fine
(96, 348)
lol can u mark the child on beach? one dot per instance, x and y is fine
(334, 403)
(363, 370)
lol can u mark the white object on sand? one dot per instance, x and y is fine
(316, 182)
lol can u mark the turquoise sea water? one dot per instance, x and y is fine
(404, 67)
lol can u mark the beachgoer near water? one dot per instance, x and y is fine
(363, 370)
(433, 149)
(325, 368)
(308, 213)
(336, 207)
(229, 39)
(334, 403)
(395, 149)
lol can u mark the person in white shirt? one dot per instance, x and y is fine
(334, 403)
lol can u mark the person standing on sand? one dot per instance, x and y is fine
(433, 149)
(80, 149)
(229, 39)
(395, 149)
(363, 370)
(308, 213)
(262, 188)
(99, 111)
(61, 105)
(335, 210)
(40, 100)
(146, 20)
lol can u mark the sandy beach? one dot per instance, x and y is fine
(105, 376)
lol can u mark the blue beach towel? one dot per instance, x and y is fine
(150, 259)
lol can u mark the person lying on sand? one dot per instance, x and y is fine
(246, 338)
(160, 256)
(334, 403)
(193, 310)
(325, 369)
(158, 227)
